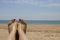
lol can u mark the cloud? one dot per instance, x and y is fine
(38, 3)
(55, 4)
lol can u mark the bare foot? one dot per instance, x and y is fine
(12, 25)
(22, 25)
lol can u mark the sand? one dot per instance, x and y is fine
(35, 32)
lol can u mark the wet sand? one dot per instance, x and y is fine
(36, 32)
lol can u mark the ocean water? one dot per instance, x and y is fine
(33, 22)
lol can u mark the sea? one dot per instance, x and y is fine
(34, 21)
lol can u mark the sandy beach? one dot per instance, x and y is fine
(35, 31)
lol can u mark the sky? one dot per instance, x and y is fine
(30, 9)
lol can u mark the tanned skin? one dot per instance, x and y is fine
(17, 33)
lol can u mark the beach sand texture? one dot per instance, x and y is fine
(35, 32)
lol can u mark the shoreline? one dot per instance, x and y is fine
(37, 27)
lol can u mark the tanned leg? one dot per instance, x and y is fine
(12, 32)
(22, 35)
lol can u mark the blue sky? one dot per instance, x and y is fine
(30, 9)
